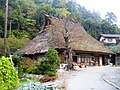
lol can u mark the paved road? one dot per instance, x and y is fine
(87, 79)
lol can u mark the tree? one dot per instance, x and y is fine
(22, 17)
(1, 23)
(68, 39)
(17, 16)
(76, 16)
(59, 3)
(62, 12)
(2, 4)
(96, 16)
(71, 6)
(41, 11)
(93, 27)
(68, 51)
(43, 1)
(28, 15)
(111, 17)
(84, 12)
(13, 44)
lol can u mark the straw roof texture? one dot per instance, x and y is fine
(53, 37)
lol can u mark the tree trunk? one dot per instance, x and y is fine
(69, 58)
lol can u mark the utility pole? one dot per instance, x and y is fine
(5, 31)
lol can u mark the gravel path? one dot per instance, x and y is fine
(113, 76)
(91, 78)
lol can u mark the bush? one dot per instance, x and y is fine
(28, 65)
(24, 65)
(16, 60)
(51, 74)
(53, 59)
(8, 74)
(50, 64)
(13, 44)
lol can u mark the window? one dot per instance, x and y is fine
(74, 58)
(110, 39)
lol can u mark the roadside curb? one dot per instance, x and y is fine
(109, 82)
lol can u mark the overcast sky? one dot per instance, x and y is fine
(103, 6)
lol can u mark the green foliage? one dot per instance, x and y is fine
(43, 67)
(27, 17)
(51, 74)
(59, 3)
(1, 31)
(50, 65)
(41, 10)
(62, 12)
(8, 74)
(53, 58)
(24, 65)
(77, 17)
(71, 6)
(1, 23)
(43, 1)
(95, 28)
(20, 34)
(13, 44)
(1, 46)
(28, 65)
(92, 27)
(16, 60)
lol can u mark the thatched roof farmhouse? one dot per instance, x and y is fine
(52, 36)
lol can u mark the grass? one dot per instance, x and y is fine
(63, 86)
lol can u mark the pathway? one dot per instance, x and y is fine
(88, 79)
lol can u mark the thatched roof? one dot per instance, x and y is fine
(52, 36)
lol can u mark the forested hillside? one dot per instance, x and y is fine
(26, 17)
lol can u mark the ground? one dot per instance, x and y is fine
(92, 78)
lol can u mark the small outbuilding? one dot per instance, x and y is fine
(112, 41)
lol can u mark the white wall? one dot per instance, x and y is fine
(106, 40)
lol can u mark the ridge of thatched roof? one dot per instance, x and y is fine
(111, 35)
(53, 37)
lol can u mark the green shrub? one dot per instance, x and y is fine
(43, 67)
(13, 44)
(53, 59)
(24, 65)
(8, 74)
(16, 60)
(51, 74)
(50, 64)
(28, 65)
